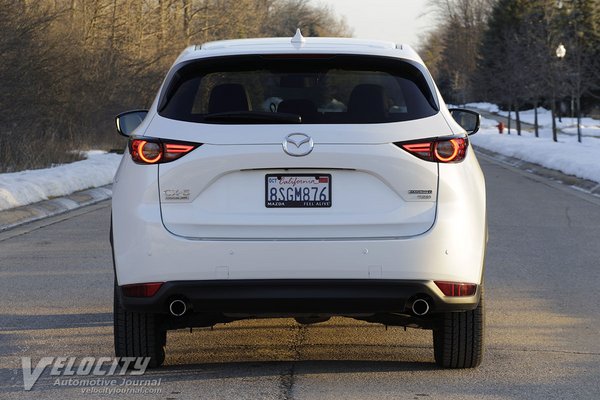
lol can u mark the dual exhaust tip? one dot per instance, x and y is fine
(419, 307)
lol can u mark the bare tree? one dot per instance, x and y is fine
(457, 44)
(68, 66)
(287, 15)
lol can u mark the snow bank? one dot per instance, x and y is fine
(585, 130)
(589, 126)
(493, 108)
(26, 187)
(566, 155)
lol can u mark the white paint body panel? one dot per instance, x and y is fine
(453, 249)
(370, 191)
(379, 233)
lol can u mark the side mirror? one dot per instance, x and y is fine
(469, 120)
(129, 120)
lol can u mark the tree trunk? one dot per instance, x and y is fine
(186, 20)
(535, 119)
(553, 109)
(518, 119)
(578, 118)
(509, 116)
(113, 27)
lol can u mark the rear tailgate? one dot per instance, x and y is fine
(219, 191)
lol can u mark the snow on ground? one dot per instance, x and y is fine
(26, 187)
(566, 155)
(589, 126)
(493, 108)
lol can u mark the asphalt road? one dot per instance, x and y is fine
(542, 278)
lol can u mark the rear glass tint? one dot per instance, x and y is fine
(320, 89)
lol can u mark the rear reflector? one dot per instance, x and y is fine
(141, 289)
(456, 289)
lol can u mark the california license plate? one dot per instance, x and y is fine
(298, 190)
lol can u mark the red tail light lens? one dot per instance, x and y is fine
(422, 150)
(141, 289)
(146, 152)
(155, 151)
(442, 150)
(457, 289)
(447, 151)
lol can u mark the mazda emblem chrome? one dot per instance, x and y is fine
(298, 144)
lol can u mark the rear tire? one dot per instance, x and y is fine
(458, 339)
(138, 334)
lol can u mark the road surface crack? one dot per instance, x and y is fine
(288, 377)
(585, 353)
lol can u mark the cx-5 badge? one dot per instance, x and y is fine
(298, 144)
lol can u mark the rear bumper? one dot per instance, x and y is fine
(452, 250)
(292, 297)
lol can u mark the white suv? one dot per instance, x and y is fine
(299, 177)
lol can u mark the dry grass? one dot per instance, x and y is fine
(23, 152)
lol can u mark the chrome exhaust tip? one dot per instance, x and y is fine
(177, 308)
(420, 307)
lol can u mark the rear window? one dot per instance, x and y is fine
(308, 89)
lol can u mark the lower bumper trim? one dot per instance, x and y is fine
(290, 297)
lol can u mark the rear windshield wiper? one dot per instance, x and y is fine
(252, 117)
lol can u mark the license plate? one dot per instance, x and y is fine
(298, 191)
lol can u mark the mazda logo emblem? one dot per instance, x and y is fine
(298, 144)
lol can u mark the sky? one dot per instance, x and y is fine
(400, 21)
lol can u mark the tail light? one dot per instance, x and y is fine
(156, 151)
(457, 289)
(141, 289)
(444, 150)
